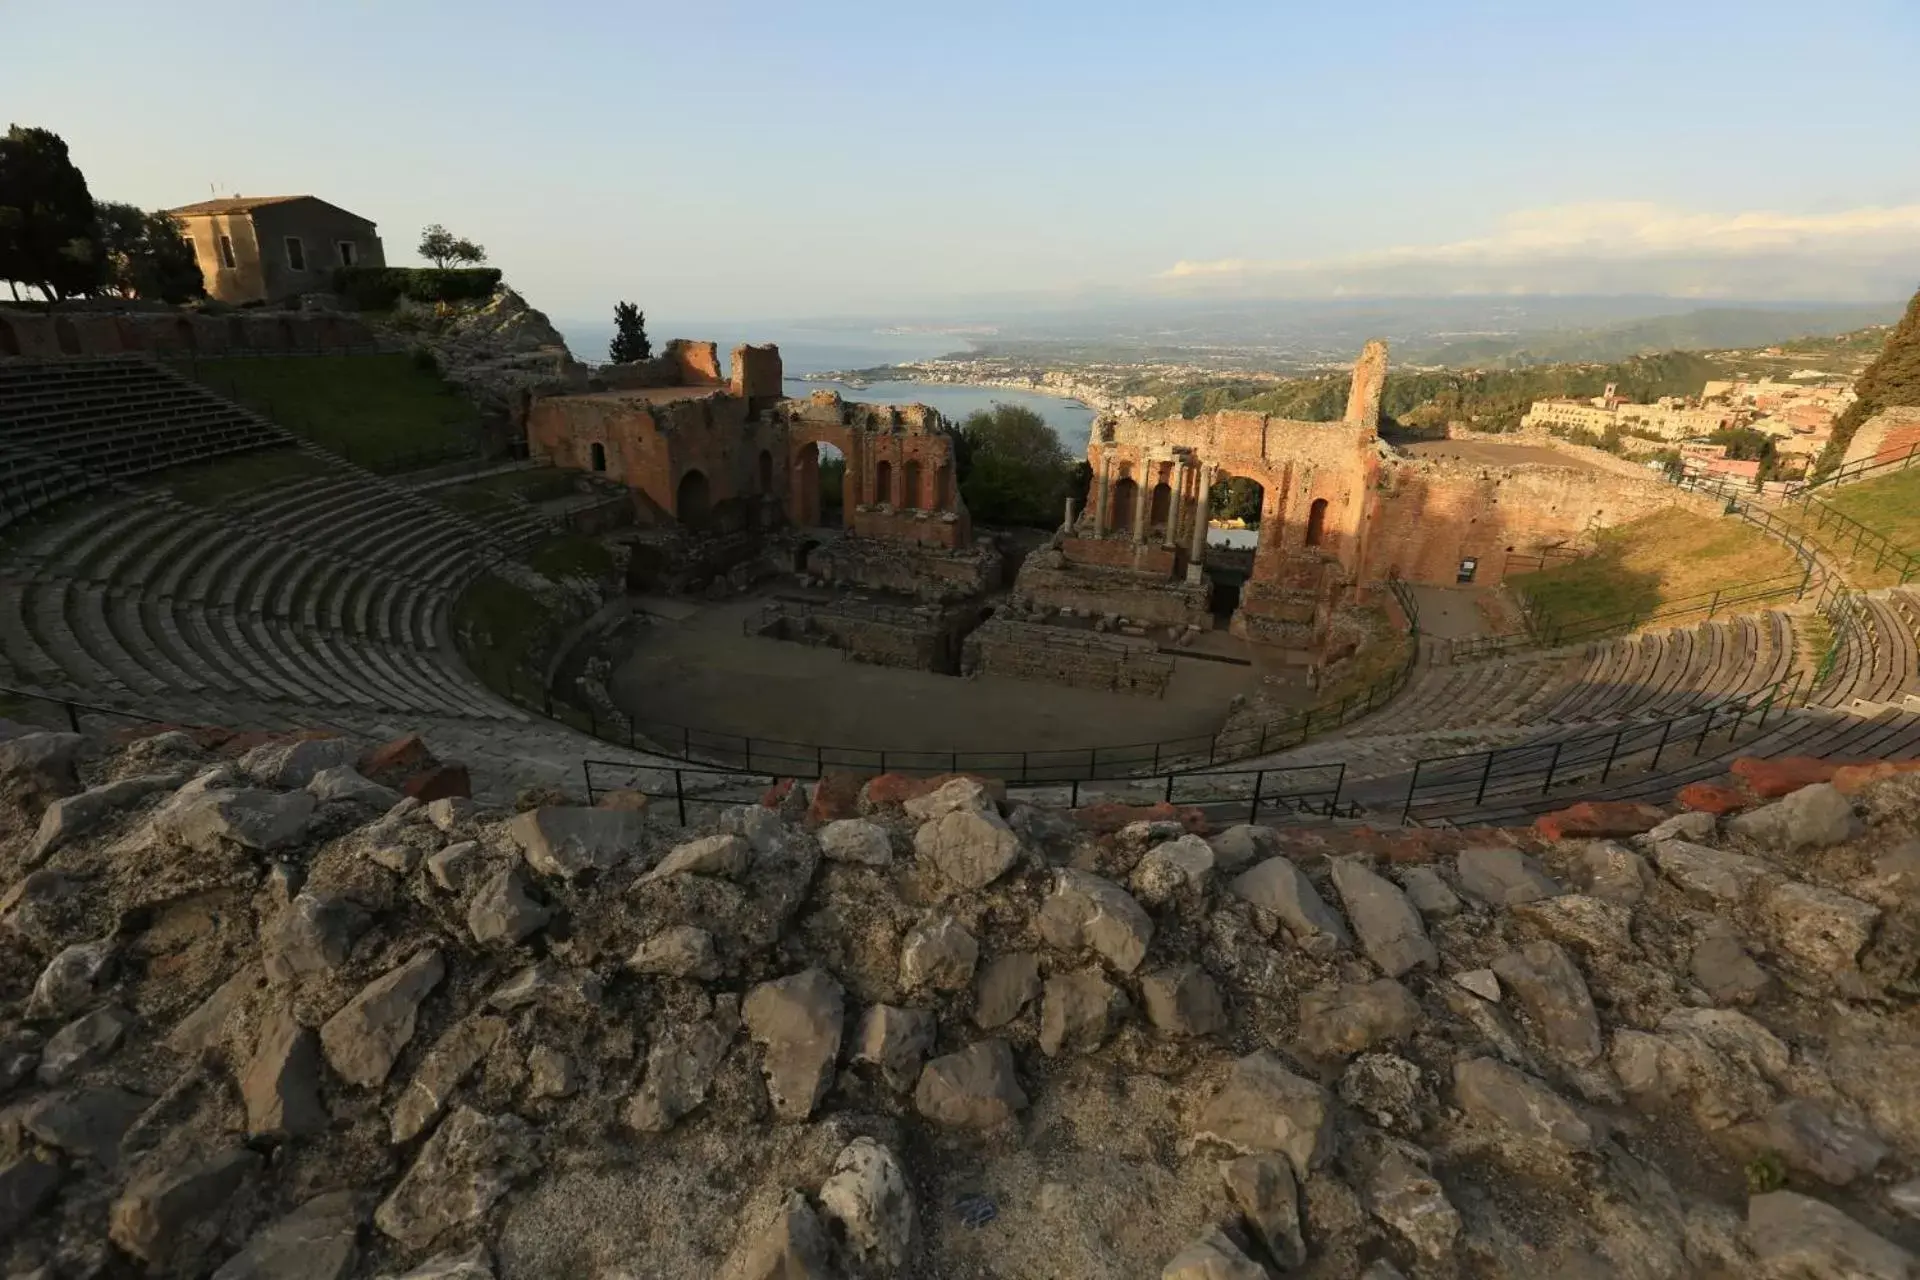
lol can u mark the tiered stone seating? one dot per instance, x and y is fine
(31, 482)
(1881, 667)
(116, 416)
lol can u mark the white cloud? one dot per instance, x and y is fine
(1613, 247)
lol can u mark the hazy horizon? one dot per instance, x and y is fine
(781, 163)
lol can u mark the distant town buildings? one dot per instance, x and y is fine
(1669, 418)
(1798, 416)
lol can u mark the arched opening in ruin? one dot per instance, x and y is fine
(692, 501)
(66, 336)
(883, 482)
(801, 552)
(1121, 504)
(1316, 522)
(1234, 535)
(599, 456)
(765, 479)
(9, 345)
(910, 485)
(942, 499)
(1160, 510)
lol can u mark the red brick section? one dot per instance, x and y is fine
(1849, 779)
(393, 761)
(774, 795)
(835, 796)
(1105, 819)
(622, 798)
(1596, 819)
(1771, 779)
(890, 790)
(439, 783)
(1711, 797)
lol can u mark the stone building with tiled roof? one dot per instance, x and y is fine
(264, 248)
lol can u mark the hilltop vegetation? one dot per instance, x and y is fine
(1892, 379)
(1707, 329)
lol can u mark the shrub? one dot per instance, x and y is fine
(378, 288)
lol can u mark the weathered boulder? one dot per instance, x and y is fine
(938, 953)
(1078, 1011)
(1810, 1140)
(1430, 895)
(295, 764)
(569, 841)
(86, 1124)
(1612, 872)
(1726, 972)
(895, 1040)
(1503, 877)
(1709, 875)
(281, 1081)
(85, 1040)
(1243, 844)
(551, 1073)
(975, 1088)
(678, 951)
(789, 1245)
(1389, 928)
(451, 1060)
(1400, 1192)
(1263, 1189)
(1214, 1256)
(211, 820)
(1825, 931)
(1265, 1108)
(163, 1208)
(1278, 885)
(1086, 911)
(1549, 986)
(868, 1199)
(465, 1167)
(1798, 1236)
(320, 1240)
(68, 981)
(454, 867)
(69, 818)
(365, 1038)
(1484, 983)
(724, 855)
(970, 849)
(313, 935)
(1183, 1000)
(27, 1185)
(1390, 1091)
(680, 1068)
(1594, 925)
(1004, 986)
(38, 768)
(958, 794)
(342, 784)
(1168, 870)
(1494, 1093)
(1353, 1016)
(1720, 1061)
(856, 840)
(1811, 818)
(503, 911)
(797, 1020)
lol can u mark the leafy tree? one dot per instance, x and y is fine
(630, 341)
(1236, 498)
(48, 232)
(1015, 469)
(146, 255)
(443, 249)
(1892, 379)
(833, 474)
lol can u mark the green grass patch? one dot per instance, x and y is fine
(571, 556)
(1890, 506)
(208, 484)
(384, 412)
(1656, 563)
(499, 623)
(489, 494)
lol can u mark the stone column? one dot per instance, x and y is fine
(1197, 555)
(1066, 525)
(1142, 503)
(1172, 539)
(1103, 513)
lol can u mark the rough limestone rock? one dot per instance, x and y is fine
(503, 911)
(568, 842)
(798, 1021)
(258, 820)
(955, 795)
(1279, 886)
(1005, 986)
(87, 1124)
(1085, 911)
(1592, 925)
(1242, 845)
(365, 1038)
(718, 855)
(1265, 1108)
(1389, 928)
(320, 1240)
(975, 1088)
(281, 1082)
(1810, 818)
(551, 1073)
(313, 935)
(1798, 1236)
(1168, 870)
(1183, 1001)
(867, 1198)
(465, 1167)
(72, 817)
(896, 1041)
(938, 953)
(288, 765)
(789, 1245)
(85, 1040)
(1614, 873)
(27, 1184)
(856, 840)
(451, 1060)
(1212, 1257)
(678, 951)
(1351, 1017)
(1810, 1140)
(67, 983)
(1430, 895)
(1549, 986)
(1720, 1061)
(1726, 972)
(1262, 1188)
(1388, 1089)
(454, 867)
(1504, 877)
(160, 1210)
(1404, 1195)
(473, 1264)
(1823, 930)
(342, 784)
(1520, 1106)
(1710, 876)
(680, 1068)
(970, 849)
(1078, 1011)
(38, 768)
(1484, 983)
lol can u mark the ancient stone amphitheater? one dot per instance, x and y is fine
(265, 1016)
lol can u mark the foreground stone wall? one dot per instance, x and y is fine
(1049, 582)
(1077, 659)
(911, 639)
(100, 333)
(902, 568)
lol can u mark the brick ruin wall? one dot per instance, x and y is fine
(109, 333)
(902, 568)
(912, 639)
(1035, 651)
(1114, 553)
(1886, 437)
(1097, 592)
(1427, 516)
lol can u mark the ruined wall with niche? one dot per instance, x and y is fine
(1428, 516)
(107, 333)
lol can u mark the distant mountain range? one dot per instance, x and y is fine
(1706, 329)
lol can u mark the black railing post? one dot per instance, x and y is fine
(1413, 783)
(1666, 728)
(1169, 795)
(1073, 794)
(1259, 784)
(1552, 764)
(1613, 749)
(1156, 757)
(73, 717)
(680, 797)
(586, 773)
(1706, 727)
(1486, 772)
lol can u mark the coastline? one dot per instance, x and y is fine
(1049, 382)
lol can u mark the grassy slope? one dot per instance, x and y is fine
(1655, 562)
(1890, 506)
(381, 411)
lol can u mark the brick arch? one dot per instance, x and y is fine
(803, 466)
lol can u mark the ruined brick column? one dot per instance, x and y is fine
(1066, 525)
(1103, 513)
(1142, 504)
(1196, 560)
(1174, 492)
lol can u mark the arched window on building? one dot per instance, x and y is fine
(883, 482)
(1316, 522)
(910, 485)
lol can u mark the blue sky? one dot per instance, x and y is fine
(751, 160)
